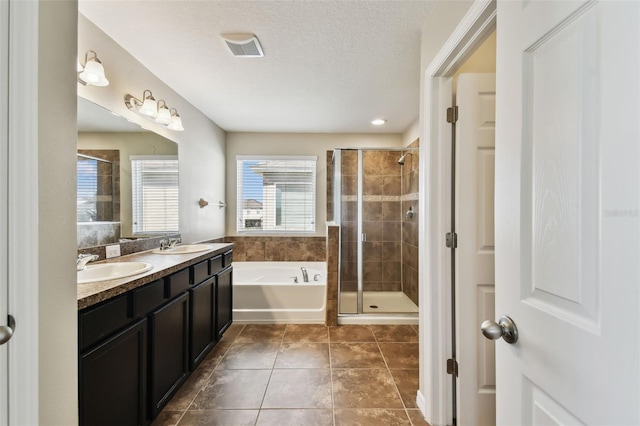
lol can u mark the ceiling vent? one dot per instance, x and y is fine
(243, 45)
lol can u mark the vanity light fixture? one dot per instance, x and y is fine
(157, 112)
(92, 72)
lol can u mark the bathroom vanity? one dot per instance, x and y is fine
(140, 338)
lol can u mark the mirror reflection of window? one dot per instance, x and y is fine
(94, 189)
(154, 190)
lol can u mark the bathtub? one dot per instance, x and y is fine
(266, 292)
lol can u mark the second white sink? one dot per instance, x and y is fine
(111, 271)
(184, 249)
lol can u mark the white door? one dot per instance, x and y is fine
(4, 175)
(568, 212)
(475, 152)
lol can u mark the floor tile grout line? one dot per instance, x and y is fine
(271, 374)
(333, 401)
(184, 412)
(395, 385)
(215, 367)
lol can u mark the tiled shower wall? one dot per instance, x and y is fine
(382, 220)
(410, 192)
(391, 251)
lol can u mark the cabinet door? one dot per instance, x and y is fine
(202, 321)
(113, 379)
(169, 338)
(224, 301)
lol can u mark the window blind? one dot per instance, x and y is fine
(154, 193)
(276, 194)
(87, 187)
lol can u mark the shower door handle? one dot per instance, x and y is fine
(363, 237)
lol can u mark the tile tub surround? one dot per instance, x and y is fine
(277, 249)
(303, 375)
(91, 293)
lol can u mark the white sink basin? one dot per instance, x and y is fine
(111, 271)
(184, 249)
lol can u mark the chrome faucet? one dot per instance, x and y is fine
(170, 243)
(83, 259)
(305, 276)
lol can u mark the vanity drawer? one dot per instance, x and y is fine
(227, 258)
(177, 283)
(200, 272)
(98, 323)
(148, 298)
(215, 264)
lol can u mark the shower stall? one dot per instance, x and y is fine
(375, 203)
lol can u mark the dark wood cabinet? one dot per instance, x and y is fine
(136, 349)
(169, 350)
(224, 299)
(113, 379)
(202, 320)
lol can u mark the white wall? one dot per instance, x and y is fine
(201, 146)
(131, 143)
(57, 288)
(411, 133)
(296, 144)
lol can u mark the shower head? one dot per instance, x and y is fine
(401, 159)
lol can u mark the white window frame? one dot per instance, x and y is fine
(239, 200)
(137, 203)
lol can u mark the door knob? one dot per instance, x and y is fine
(505, 328)
(6, 331)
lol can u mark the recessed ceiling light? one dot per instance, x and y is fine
(378, 121)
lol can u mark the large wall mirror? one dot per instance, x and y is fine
(127, 179)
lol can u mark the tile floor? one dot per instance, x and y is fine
(276, 374)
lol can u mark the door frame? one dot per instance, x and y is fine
(435, 392)
(23, 211)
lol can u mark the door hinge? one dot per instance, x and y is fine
(452, 366)
(452, 240)
(452, 114)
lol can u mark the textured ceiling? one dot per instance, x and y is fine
(329, 66)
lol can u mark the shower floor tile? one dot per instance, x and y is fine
(377, 302)
(303, 374)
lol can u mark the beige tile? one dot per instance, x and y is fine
(417, 419)
(233, 389)
(364, 388)
(299, 388)
(310, 417)
(188, 391)
(309, 333)
(407, 382)
(371, 417)
(395, 333)
(220, 418)
(261, 333)
(303, 355)
(400, 355)
(356, 355)
(167, 418)
(254, 355)
(351, 333)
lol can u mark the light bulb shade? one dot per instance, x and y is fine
(176, 123)
(93, 73)
(149, 107)
(164, 116)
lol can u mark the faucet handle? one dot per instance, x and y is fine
(164, 244)
(295, 279)
(316, 277)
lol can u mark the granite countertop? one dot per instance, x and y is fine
(163, 264)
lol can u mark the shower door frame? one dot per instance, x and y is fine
(361, 237)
